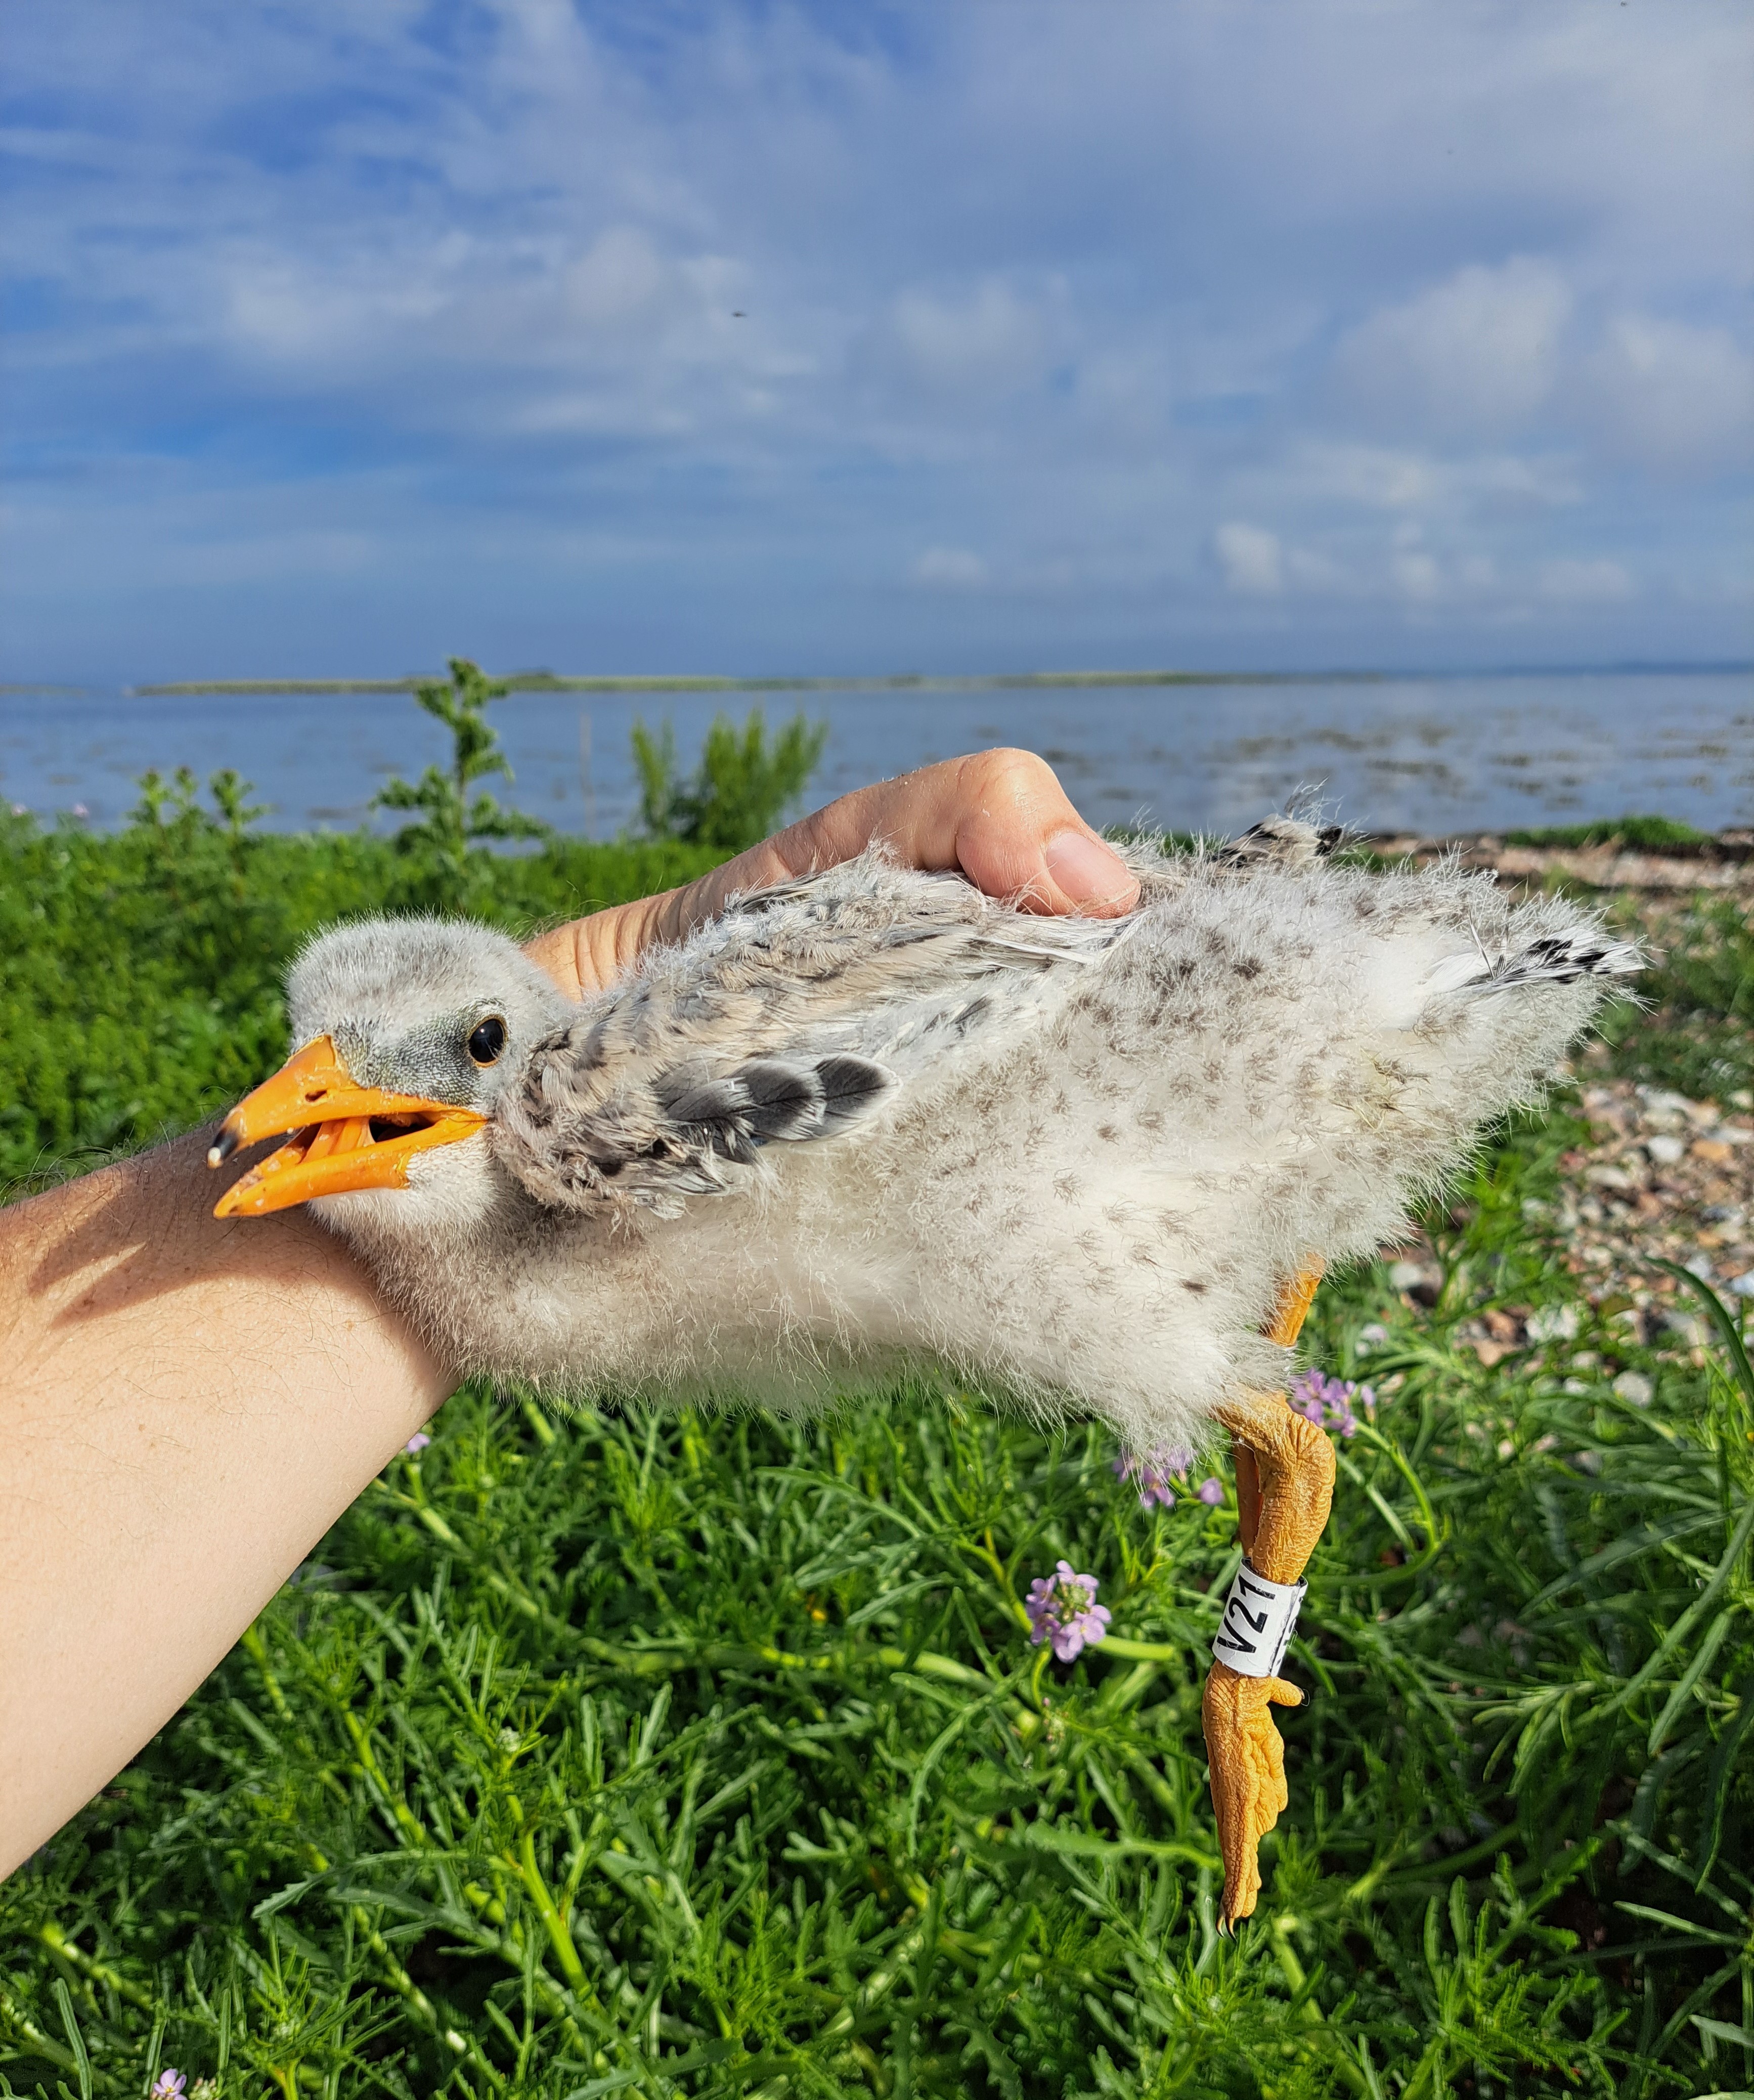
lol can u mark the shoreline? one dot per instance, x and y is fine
(899, 681)
(1720, 860)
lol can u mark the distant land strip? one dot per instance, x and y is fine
(554, 682)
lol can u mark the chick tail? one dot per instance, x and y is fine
(1561, 958)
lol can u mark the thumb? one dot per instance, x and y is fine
(1281, 1692)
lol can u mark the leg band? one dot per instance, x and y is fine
(1257, 1623)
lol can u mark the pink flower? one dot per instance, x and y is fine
(1210, 1492)
(168, 2085)
(1153, 1472)
(1327, 1402)
(417, 1443)
(1063, 1610)
(81, 812)
(20, 810)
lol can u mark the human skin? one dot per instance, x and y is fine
(192, 1403)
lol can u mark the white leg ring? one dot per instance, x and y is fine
(1258, 1617)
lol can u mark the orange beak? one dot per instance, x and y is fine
(346, 1136)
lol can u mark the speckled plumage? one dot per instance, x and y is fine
(873, 1117)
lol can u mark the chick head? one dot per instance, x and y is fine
(413, 1031)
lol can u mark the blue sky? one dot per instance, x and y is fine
(862, 337)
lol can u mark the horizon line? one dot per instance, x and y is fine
(545, 681)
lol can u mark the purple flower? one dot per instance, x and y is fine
(1210, 1492)
(1327, 1402)
(417, 1443)
(168, 2085)
(1063, 1610)
(81, 812)
(1153, 1472)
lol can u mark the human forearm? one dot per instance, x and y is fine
(187, 1407)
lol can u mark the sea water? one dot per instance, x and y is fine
(1433, 755)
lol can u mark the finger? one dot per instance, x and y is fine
(564, 952)
(1000, 816)
(1283, 1692)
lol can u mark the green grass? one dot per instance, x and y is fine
(1644, 834)
(664, 1754)
(1697, 1033)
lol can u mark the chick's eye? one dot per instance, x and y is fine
(488, 1040)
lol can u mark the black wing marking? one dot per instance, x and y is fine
(653, 1140)
(771, 1101)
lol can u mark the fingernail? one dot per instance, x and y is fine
(1086, 870)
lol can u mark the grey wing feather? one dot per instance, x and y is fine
(672, 1131)
(792, 1019)
(852, 1087)
(768, 1101)
(771, 1101)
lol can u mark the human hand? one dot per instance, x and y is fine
(1000, 816)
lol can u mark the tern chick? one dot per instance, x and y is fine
(873, 1117)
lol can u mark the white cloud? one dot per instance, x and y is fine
(1383, 478)
(618, 278)
(950, 568)
(1476, 355)
(1600, 582)
(1318, 574)
(1672, 396)
(1414, 569)
(1250, 558)
(344, 311)
(985, 336)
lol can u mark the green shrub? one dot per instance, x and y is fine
(742, 788)
(440, 873)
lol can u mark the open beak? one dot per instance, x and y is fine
(344, 1136)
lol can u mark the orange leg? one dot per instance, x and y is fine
(1284, 1489)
